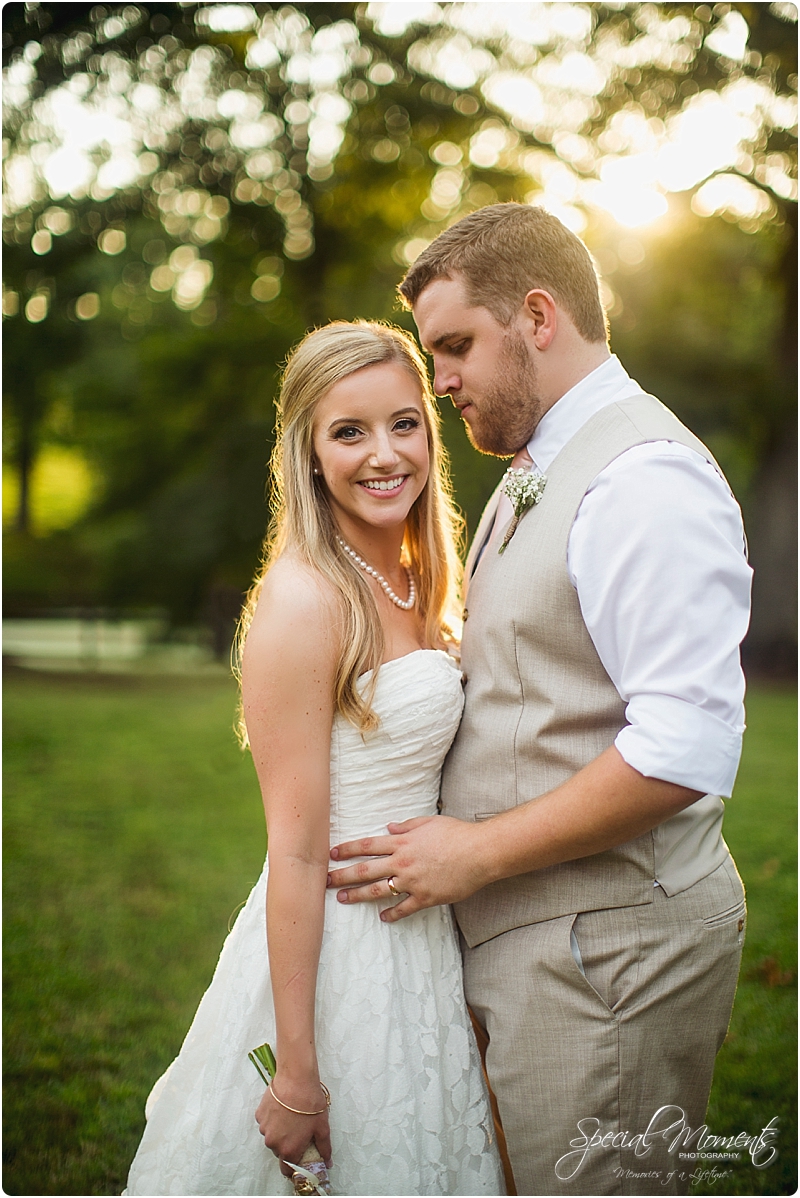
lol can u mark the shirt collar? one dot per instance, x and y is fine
(605, 385)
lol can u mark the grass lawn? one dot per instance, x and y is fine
(133, 828)
(756, 1074)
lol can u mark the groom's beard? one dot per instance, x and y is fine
(509, 409)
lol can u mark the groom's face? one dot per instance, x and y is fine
(485, 367)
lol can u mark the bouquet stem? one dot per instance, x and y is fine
(512, 528)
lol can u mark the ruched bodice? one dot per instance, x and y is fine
(393, 773)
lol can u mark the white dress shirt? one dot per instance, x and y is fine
(657, 557)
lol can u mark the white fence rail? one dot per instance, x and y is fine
(123, 640)
(60, 643)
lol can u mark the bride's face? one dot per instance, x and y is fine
(371, 447)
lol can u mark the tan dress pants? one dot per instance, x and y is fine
(579, 1054)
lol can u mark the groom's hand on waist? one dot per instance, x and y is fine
(443, 860)
(431, 860)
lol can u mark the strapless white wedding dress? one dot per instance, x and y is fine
(409, 1112)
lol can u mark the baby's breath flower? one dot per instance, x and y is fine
(524, 488)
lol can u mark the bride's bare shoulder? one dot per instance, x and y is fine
(291, 580)
(297, 614)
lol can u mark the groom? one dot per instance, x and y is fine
(601, 913)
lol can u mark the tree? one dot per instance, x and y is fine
(225, 177)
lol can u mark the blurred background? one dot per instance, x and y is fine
(188, 189)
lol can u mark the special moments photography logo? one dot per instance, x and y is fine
(669, 1126)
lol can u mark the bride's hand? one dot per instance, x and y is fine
(288, 1135)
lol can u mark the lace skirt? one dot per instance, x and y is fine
(409, 1112)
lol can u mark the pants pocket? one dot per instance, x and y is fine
(734, 917)
(604, 946)
(735, 914)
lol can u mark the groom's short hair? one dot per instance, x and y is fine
(504, 251)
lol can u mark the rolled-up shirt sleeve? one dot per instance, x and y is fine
(657, 557)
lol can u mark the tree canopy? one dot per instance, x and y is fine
(190, 187)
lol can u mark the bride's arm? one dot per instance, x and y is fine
(287, 686)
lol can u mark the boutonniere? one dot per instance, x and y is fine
(524, 488)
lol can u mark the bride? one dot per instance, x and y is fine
(351, 702)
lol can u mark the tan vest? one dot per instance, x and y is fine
(539, 703)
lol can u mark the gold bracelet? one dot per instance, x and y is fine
(295, 1111)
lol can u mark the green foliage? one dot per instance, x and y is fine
(168, 391)
(42, 572)
(133, 828)
(698, 329)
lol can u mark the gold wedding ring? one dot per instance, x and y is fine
(392, 888)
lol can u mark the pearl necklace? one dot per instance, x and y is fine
(396, 600)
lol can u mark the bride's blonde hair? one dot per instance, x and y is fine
(302, 519)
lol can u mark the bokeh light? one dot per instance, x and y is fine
(177, 123)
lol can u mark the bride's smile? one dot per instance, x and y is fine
(384, 485)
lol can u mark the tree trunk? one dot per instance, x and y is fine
(771, 645)
(24, 465)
